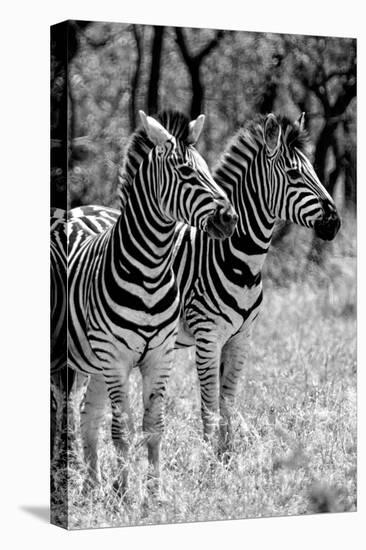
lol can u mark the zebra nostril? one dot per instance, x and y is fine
(329, 225)
(330, 216)
(227, 217)
(334, 215)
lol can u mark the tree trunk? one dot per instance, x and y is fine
(350, 178)
(321, 150)
(64, 46)
(266, 101)
(350, 172)
(58, 90)
(194, 63)
(157, 46)
(197, 92)
(136, 76)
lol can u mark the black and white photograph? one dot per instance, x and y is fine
(203, 274)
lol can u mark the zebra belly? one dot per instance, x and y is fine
(95, 349)
(223, 324)
(220, 330)
(97, 352)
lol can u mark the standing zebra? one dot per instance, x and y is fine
(123, 298)
(58, 299)
(267, 176)
(58, 288)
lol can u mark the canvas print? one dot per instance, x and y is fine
(203, 274)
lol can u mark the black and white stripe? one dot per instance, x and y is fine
(123, 299)
(267, 176)
(61, 376)
(58, 244)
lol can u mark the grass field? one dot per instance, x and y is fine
(295, 437)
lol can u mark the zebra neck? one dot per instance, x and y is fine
(242, 175)
(142, 242)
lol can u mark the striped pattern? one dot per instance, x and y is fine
(58, 288)
(123, 299)
(58, 325)
(267, 176)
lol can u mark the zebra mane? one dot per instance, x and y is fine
(176, 123)
(251, 134)
(294, 136)
(139, 146)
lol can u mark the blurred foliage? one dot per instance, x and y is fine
(228, 75)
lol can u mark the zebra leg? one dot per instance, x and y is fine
(56, 402)
(91, 419)
(155, 371)
(207, 362)
(118, 391)
(61, 383)
(234, 354)
(58, 443)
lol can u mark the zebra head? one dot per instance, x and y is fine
(185, 188)
(296, 193)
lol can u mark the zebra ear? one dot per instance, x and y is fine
(195, 129)
(155, 131)
(272, 134)
(300, 123)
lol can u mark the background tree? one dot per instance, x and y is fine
(327, 69)
(194, 62)
(324, 78)
(64, 46)
(117, 69)
(138, 34)
(153, 91)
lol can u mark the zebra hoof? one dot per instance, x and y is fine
(152, 500)
(225, 457)
(153, 485)
(225, 452)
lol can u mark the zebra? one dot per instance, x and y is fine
(123, 298)
(267, 175)
(58, 303)
(58, 277)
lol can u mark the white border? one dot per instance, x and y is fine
(24, 268)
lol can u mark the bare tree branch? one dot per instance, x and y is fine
(190, 58)
(138, 36)
(193, 62)
(180, 40)
(210, 46)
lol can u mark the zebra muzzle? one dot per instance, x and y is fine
(328, 227)
(221, 224)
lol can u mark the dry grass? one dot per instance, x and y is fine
(295, 437)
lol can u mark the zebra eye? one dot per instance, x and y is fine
(294, 174)
(186, 171)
